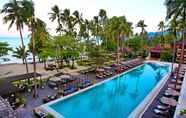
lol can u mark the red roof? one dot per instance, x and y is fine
(156, 49)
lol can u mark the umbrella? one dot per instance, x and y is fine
(168, 101)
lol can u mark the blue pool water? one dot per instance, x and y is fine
(116, 98)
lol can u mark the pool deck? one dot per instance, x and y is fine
(182, 100)
(144, 105)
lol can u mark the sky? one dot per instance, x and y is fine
(151, 11)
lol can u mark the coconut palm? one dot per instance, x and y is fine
(161, 26)
(176, 9)
(141, 25)
(19, 52)
(32, 22)
(173, 28)
(56, 15)
(14, 15)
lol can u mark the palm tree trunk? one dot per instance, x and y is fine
(118, 49)
(174, 50)
(24, 54)
(181, 58)
(34, 61)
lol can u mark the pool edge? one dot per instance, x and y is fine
(57, 115)
(142, 107)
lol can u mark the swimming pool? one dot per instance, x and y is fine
(116, 98)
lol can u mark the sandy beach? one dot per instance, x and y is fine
(16, 69)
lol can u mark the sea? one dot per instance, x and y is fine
(13, 43)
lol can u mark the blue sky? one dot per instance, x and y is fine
(152, 11)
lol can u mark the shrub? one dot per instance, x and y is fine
(183, 112)
(166, 56)
(50, 116)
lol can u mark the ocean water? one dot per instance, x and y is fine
(14, 41)
(116, 98)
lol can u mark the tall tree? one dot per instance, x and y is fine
(102, 22)
(176, 9)
(56, 15)
(14, 14)
(141, 24)
(161, 26)
(32, 23)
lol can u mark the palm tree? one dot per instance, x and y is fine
(32, 23)
(19, 53)
(176, 9)
(78, 20)
(56, 15)
(172, 28)
(142, 25)
(102, 21)
(161, 26)
(14, 14)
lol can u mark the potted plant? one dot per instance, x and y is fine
(183, 112)
(49, 116)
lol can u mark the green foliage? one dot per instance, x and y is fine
(166, 56)
(155, 41)
(134, 43)
(20, 53)
(98, 55)
(110, 45)
(4, 48)
(50, 116)
(183, 112)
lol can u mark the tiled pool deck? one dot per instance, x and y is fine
(182, 100)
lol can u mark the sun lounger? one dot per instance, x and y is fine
(39, 113)
(160, 112)
(70, 89)
(162, 107)
(85, 84)
(177, 87)
(100, 77)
